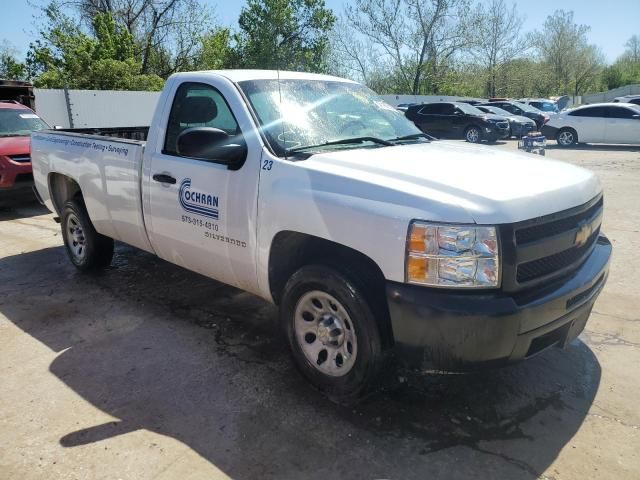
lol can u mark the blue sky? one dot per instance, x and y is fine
(610, 27)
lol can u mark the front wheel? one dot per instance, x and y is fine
(567, 137)
(333, 333)
(473, 135)
(87, 249)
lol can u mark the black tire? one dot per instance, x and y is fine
(473, 134)
(567, 137)
(95, 251)
(364, 373)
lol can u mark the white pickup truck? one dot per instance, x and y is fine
(376, 241)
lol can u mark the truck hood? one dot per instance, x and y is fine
(479, 184)
(14, 145)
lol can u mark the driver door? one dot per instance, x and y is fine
(202, 213)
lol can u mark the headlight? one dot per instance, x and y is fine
(452, 256)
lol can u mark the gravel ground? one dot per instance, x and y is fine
(147, 371)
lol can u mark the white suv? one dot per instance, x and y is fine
(597, 123)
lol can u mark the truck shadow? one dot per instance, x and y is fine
(172, 352)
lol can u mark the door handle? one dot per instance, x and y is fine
(163, 178)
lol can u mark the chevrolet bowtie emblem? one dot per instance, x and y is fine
(583, 234)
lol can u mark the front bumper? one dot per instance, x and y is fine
(458, 331)
(549, 131)
(14, 174)
(492, 132)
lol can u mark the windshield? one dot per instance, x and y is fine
(545, 106)
(469, 109)
(305, 113)
(19, 123)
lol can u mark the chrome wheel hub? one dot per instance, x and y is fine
(76, 239)
(473, 135)
(325, 333)
(566, 138)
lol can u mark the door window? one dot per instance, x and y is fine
(431, 109)
(620, 112)
(437, 109)
(600, 112)
(447, 109)
(197, 105)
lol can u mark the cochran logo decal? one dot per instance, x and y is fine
(196, 202)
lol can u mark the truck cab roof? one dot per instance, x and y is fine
(244, 75)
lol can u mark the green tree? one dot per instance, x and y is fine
(286, 34)
(574, 63)
(104, 59)
(10, 67)
(216, 51)
(418, 38)
(167, 33)
(497, 40)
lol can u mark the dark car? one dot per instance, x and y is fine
(635, 99)
(519, 125)
(522, 109)
(458, 120)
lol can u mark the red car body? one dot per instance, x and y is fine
(15, 155)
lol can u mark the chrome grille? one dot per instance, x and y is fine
(554, 227)
(542, 249)
(547, 265)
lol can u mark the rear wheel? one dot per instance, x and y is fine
(87, 249)
(567, 137)
(473, 134)
(333, 333)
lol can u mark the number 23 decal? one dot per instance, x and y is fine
(267, 164)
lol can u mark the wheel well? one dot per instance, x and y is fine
(62, 190)
(292, 250)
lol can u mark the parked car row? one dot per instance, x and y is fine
(475, 122)
(617, 122)
(458, 120)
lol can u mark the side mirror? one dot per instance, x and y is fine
(214, 145)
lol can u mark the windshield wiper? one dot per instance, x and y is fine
(344, 141)
(413, 136)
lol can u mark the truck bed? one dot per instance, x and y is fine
(130, 133)
(106, 163)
